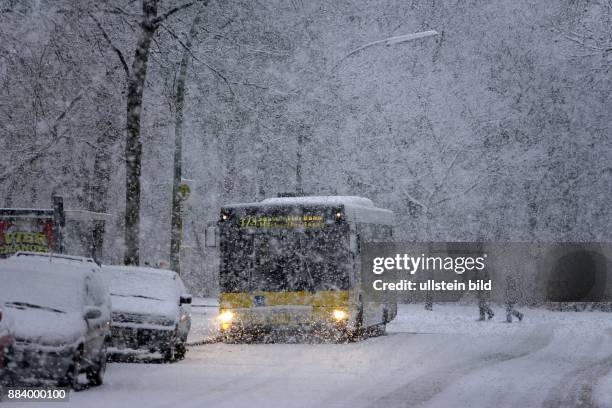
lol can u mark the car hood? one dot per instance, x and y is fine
(48, 328)
(147, 307)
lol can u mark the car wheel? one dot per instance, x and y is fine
(169, 353)
(6, 376)
(180, 350)
(71, 379)
(95, 374)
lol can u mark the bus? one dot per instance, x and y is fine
(293, 263)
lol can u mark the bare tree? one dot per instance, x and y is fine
(149, 24)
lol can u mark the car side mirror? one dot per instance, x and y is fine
(185, 300)
(92, 313)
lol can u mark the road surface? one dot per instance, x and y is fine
(442, 358)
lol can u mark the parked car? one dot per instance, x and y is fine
(7, 339)
(61, 308)
(151, 310)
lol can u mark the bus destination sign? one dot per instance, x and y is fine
(282, 221)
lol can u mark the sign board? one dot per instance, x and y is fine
(50, 230)
(26, 234)
(185, 191)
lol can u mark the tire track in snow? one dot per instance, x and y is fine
(421, 390)
(576, 388)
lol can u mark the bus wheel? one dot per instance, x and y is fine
(351, 335)
(339, 335)
(230, 338)
(359, 330)
(380, 329)
(238, 337)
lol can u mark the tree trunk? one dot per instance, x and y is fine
(176, 230)
(133, 145)
(98, 197)
(98, 192)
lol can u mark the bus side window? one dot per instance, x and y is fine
(387, 232)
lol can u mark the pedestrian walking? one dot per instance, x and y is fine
(428, 301)
(512, 297)
(484, 309)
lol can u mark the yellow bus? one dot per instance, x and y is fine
(293, 264)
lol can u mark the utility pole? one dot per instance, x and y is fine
(388, 42)
(180, 190)
(299, 186)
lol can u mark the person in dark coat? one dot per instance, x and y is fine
(512, 297)
(483, 299)
(428, 301)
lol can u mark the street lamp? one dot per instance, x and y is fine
(389, 41)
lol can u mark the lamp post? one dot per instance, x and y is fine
(399, 39)
(388, 42)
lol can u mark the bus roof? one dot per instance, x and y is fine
(320, 200)
(358, 209)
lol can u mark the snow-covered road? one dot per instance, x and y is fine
(442, 358)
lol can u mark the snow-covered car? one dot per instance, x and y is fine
(7, 339)
(61, 307)
(151, 310)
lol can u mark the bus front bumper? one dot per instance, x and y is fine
(283, 319)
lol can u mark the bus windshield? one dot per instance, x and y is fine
(286, 260)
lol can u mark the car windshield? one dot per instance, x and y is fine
(40, 288)
(142, 284)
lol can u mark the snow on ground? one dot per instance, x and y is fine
(603, 391)
(443, 358)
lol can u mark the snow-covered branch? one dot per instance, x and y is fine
(110, 43)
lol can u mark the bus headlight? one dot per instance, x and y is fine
(226, 215)
(226, 317)
(339, 315)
